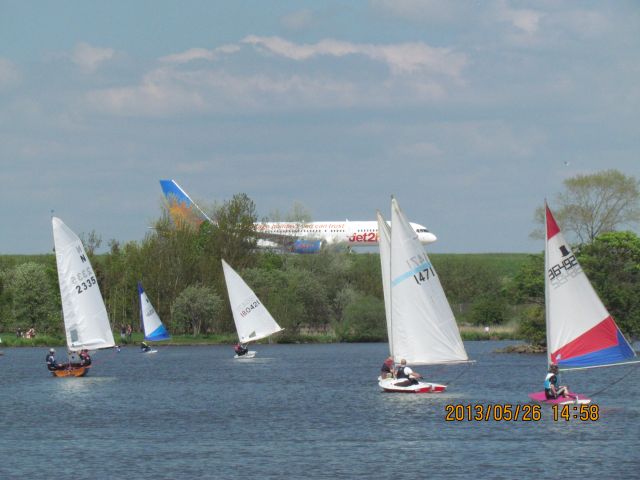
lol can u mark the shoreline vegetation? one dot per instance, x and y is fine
(468, 333)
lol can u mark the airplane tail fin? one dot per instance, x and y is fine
(181, 208)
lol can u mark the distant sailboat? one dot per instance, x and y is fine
(420, 324)
(580, 331)
(152, 326)
(85, 317)
(253, 321)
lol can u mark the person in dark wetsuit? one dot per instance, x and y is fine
(406, 374)
(240, 349)
(85, 359)
(145, 347)
(551, 388)
(51, 360)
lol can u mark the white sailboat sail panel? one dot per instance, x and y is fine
(384, 243)
(424, 330)
(85, 316)
(253, 321)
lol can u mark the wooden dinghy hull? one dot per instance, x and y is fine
(71, 372)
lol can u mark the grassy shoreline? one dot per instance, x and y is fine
(468, 333)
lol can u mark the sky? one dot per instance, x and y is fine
(469, 112)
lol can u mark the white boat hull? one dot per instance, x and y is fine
(150, 351)
(393, 385)
(249, 354)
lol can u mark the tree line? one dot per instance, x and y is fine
(334, 292)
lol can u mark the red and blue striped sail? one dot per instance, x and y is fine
(580, 331)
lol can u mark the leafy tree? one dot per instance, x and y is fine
(532, 328)
(363, 319)
(197, 309)
(33, 298)
(488, 310)
(612, 263)
(233, 236)
(594, 204)
(528, 284)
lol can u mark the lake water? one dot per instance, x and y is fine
(300, 411)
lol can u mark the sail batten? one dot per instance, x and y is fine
(85, 316)
(580, 331)
(423, 328)
(253, 321)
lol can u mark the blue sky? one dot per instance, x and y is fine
(470, 113)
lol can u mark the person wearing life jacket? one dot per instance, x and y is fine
(240, 349)
(551, 388)
(51, 360)
(406, 374)
(145, 347)
(386, 371)
(85, 359)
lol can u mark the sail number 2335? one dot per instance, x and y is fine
(86, 284)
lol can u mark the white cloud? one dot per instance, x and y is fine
(89, 58)
(9, 74)
(403, 58)
(199, 54)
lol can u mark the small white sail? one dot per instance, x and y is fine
(85, 316)
(253, 321)
(384, 242)
(152, 326)
(424, 330)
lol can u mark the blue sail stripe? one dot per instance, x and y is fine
(423, 266)
(159, 333)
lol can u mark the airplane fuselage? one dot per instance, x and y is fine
(353, 233)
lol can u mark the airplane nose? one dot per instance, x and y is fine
(428, 237)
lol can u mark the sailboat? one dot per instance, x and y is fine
(86, 322)
(580, 331)
(253, 321)
(420, 324)
(152, 326)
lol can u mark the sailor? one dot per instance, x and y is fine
(145, 347)
(85, 359)
(407, 374)
(51, 360)
(386, 371)
(240, 349)
(551, 388)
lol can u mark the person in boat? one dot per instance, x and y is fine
(51, 360)
(240, 349)
(551, 388)
(85, 359)
(406, 374)
(386, 371)
(145, 347)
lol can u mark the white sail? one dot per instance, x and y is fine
(424, 330)
(152, 326)
(253, 321)
(85, 317)
(384, 242)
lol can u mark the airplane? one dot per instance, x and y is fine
(297, 237)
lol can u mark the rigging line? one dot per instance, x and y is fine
(462, 372)
(631, 370)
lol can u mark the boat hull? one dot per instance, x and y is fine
(573, 399)
(71, 372)
(249, 354)
(391, 385)
(150, 351)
